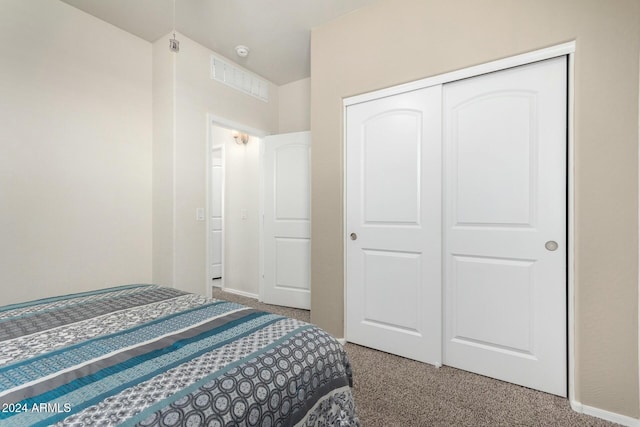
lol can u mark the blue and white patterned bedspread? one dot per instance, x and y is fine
(147, 355)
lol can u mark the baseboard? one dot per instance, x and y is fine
(342, 341)
(605, 415)
(241, 293)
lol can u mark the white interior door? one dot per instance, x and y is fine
(393, 225)
(216, 211)
(505, 225)
(286, 226)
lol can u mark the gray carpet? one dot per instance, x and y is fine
(393, 391)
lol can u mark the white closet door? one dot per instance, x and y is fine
(393, 229)
(505, 225)
(287, 233)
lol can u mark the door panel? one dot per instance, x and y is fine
(505, 197)
(393, 243)
(507, 148)
(481, 285)
(292, 182)
(286, 227)
(292, 263)
(402, 269)
(390, 151)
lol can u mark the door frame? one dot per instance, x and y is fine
(215, 120)
(564, 49)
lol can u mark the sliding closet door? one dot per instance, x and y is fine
(505, 225)
(393, 229)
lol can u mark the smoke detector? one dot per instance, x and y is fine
(242, 51)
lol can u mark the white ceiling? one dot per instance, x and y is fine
(276, 31)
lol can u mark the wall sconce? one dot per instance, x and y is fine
(240, 138)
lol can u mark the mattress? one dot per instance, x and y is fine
(153, 356)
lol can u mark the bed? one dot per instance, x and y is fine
(153, 356)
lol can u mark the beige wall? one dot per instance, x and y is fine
(294, 112)
(195, 95)
(75, 162)
(396, 41)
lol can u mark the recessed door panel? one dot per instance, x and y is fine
(292, 264)
(393, 289)
(494, 158)
(216, 254)
(480, 286)
(391, 150)
(291, 182)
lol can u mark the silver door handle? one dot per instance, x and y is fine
(353, 236)
(551, 245)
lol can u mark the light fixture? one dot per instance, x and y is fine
(240, 138)
(242, 51)
(174, 45)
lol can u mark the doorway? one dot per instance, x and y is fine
(258, 222)
(233, 208)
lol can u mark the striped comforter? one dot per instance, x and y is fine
(147, 355)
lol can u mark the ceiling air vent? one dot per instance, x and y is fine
(231, 75)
